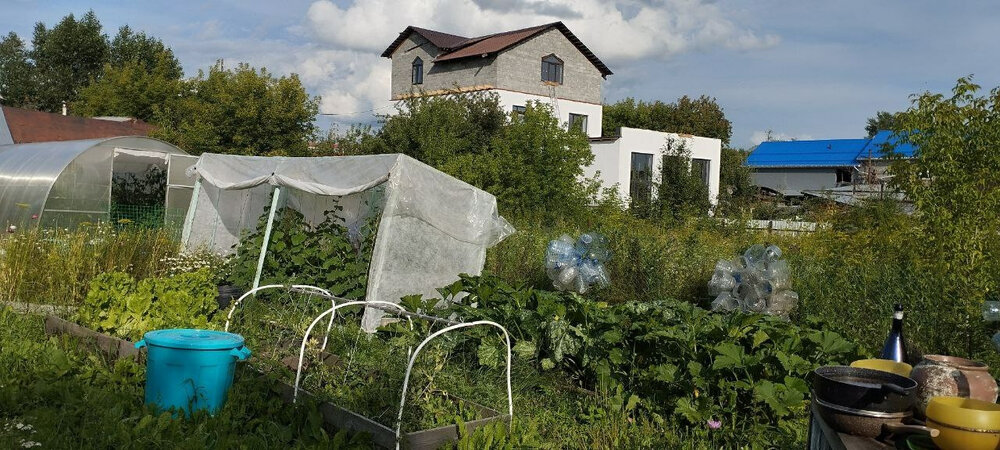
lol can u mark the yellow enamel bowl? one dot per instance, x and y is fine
(885, 365)
(964, 423)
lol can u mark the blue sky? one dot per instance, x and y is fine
(804, 69)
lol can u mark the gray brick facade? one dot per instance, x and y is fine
(465, 73)
(519, 68)
(515, 69)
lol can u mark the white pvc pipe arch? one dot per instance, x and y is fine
(305, 287)
(413, 356)
(332, 311)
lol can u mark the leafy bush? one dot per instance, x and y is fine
(328, 255)
(678, 191)
(682, 361)
(531, 162)
(147, 188)
(118, 304)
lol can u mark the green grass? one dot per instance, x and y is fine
(850, 275)
(55, 266)
(77, 399)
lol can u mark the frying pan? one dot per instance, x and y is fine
(863, 389)
(869, 423)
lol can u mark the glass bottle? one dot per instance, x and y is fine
(895, 346)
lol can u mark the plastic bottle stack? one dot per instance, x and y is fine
(991, 313)
(578, 265)
(757, 281)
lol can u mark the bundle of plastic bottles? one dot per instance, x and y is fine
(578, 265)
(758, 281)
(991, 313)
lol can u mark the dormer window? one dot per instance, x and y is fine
(552, 69)
(417, 74)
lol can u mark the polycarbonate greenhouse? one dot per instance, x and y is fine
(431, 226)
(65, 183)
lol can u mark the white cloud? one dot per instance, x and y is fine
(760, 136)
(335, 47)
(658, 29)
(345, 68)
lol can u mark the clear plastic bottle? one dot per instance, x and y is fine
(991, 310)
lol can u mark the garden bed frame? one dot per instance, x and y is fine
(334, 417)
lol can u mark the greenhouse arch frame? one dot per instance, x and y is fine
(65, 183)
(431, 226)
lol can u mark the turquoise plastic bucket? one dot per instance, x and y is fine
(190, 369)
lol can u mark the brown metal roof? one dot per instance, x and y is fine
(456, 47)
(440, 40)
(491, 44)
(28, 126)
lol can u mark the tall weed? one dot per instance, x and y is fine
(54, 266)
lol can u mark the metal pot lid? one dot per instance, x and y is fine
(862, 412)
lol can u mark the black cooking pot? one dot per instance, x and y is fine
(864, 389)
(870, 423)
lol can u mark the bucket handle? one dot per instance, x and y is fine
(241, 353)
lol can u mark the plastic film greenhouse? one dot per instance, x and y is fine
(429, 227)
(70, 182)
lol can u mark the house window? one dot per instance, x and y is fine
(552, 69)
(641, 178)
(702, 168)
(517, 112)
(844, 176)
(578, 122)
(417, 74)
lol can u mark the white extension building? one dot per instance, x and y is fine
(632, 160)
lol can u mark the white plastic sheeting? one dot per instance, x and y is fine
(433, 226)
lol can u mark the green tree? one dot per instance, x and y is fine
(701, 117)
(239, 111)
(529, 161)
(954, 185)
(680, 192)
(132, 88)
(147, 51)
(737, 191)
(436, 129)
(66, 58)
(357, 139)
(537, 165)
(882, 121)
(16, 73)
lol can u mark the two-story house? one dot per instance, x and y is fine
(546, 63)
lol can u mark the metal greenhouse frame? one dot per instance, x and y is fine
(65, 183)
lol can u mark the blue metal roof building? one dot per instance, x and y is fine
(825, 153)
(790, 167)
(877, 145)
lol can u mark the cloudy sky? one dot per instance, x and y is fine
(804, 69)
